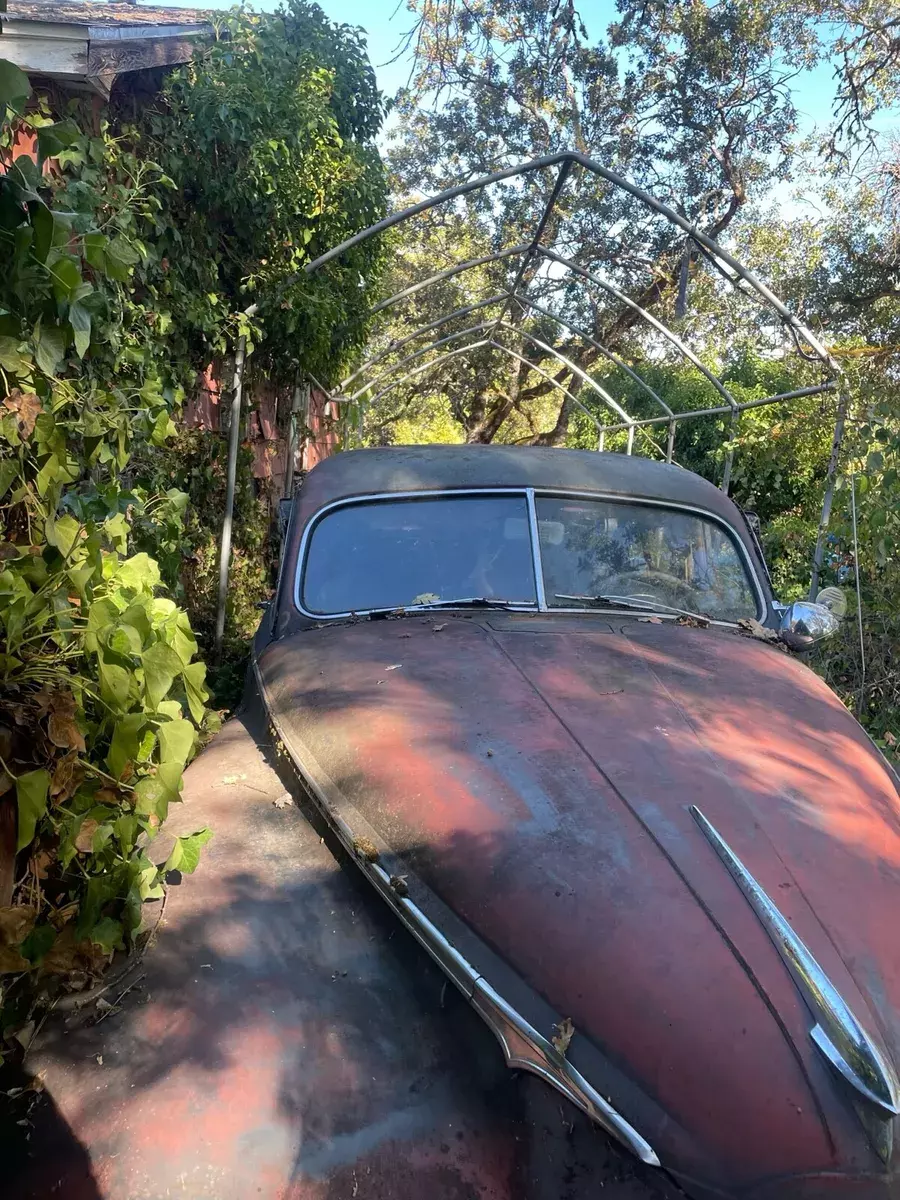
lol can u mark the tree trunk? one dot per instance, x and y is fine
(560, 431)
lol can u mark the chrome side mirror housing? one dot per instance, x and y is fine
(804, 624)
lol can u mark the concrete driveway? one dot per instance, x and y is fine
(284, 1039)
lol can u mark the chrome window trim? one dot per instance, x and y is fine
(837, 1034)
(536, 494)
(535, 539)
(522, 1045)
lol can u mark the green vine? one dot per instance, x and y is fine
(102, 701)
(132, 248)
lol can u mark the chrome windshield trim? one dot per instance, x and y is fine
(522, 1045)
(538, 493)
(837, 1035)
(536, 550)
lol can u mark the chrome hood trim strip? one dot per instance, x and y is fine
(838, 1035)
(523, 1047)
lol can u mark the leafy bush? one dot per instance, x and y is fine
(186, 542)
(128, 266)
(102, 702)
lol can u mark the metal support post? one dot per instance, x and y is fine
(234, 441)
(831, 475)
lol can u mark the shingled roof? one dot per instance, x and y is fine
(88, 45)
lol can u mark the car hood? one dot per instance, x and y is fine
(537, 774)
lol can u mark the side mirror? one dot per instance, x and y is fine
(804, 624)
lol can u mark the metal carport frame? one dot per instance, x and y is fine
(529, 251)
(533, 250)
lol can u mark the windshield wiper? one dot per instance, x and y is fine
(630, 602)
(469, 602)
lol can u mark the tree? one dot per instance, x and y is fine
(690, 101)
(124, 269)
(266, 144)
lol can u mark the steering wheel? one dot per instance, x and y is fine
(669, 583)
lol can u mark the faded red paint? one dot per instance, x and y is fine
(287, 1044)
(539, 783)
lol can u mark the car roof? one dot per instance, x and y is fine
(438, 468)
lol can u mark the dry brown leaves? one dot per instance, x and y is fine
(692, 622)
(750, 627)
(61, 727)
(12, 962)
(85, 840)
(16, 922)
(61, 916)
(565, 1031)
(68, 955)
(26, 407)
(67, 775)
(42, 862)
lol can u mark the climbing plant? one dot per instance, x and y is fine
(132, 246)
(102, 701)
(266, 154)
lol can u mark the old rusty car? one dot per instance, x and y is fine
(545, 700)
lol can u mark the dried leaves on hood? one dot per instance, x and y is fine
(750, 627)
(692, 622)
(565, 1031)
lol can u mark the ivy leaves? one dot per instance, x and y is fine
(268, 140)
(32, 790)
(14, 88)
(185, 855)
(102, 702)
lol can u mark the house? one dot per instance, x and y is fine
(89, 47)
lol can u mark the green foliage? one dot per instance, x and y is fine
(264, 144)
(185, 536)
(102, 702)
(126, 270)
(671, 97)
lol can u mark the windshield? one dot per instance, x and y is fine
(641, 551)
(386, 554)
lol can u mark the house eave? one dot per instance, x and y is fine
(81, 54)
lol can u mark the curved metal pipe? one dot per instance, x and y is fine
(569, 365)
(422, 329)
(451, 337)
(573, 156)
(448, 273)
(830, 385)
(582, 375)
(435, 362)
(512, 353)
(648, 317)
(524, 300)
(613, 358)
(547, 376)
